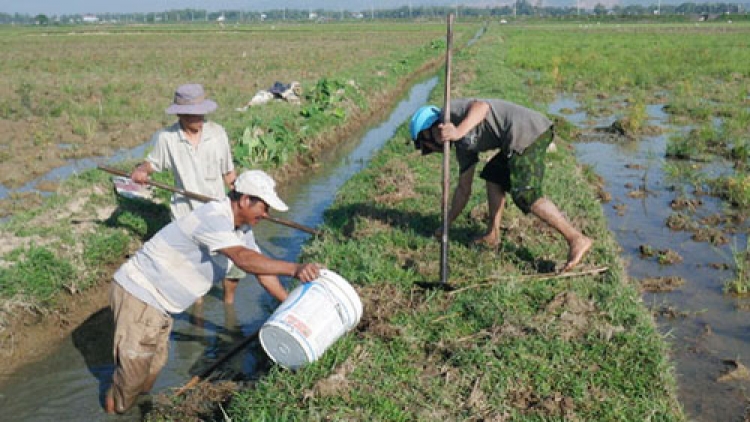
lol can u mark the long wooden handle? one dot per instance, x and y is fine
(206, 372)
(204, 198)
(446, 155)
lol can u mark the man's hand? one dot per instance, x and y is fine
(449, 132)
(477, 112)
(139, 174)
(307, 272)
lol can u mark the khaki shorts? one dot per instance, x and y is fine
(236, 273)
(140, 346)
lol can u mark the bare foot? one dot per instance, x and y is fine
(578, 249)
(487, 240)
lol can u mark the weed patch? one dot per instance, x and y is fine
(35, 272)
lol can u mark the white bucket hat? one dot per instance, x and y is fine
(191, 99)
(259, 184)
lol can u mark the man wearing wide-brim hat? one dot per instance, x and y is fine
(197, 152)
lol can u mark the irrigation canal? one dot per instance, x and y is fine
(70, 384)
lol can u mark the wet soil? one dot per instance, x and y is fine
(25, 163)
(661, 284)
(33, 334)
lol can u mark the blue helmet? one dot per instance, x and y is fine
(423, 119)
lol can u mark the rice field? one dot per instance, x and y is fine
(86, 92)
(507, 350)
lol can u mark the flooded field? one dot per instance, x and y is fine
(681, 274)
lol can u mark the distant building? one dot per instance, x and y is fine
(90, 19)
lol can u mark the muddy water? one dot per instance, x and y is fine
(74, 166)
(69, 385)
(707, 329)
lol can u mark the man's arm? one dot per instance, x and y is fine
(256, 263)
(461, 194)
(474, 115)
(273, 285)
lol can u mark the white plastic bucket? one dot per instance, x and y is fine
(312, 318)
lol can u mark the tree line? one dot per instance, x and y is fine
(521, 8)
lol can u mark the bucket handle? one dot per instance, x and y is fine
(339, 309)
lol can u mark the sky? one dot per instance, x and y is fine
(59, 7)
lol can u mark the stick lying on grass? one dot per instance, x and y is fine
(205, 198)
(535, 277)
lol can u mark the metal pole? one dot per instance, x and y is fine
(446, 155)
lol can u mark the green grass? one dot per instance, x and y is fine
(509, 346)
(740, 284)
(37, 272)
(735, 189)
(701, 71)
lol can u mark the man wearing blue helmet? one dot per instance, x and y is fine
(521, 137)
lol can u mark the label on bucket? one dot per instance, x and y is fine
(297, 324)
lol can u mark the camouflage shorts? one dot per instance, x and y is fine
(521, 175)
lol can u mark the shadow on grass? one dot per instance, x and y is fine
(139, 217)
(344, 218)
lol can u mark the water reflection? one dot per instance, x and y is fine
(703, 325)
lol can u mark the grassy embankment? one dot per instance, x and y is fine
(701, 72)
(117, 81)
(511, 343)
